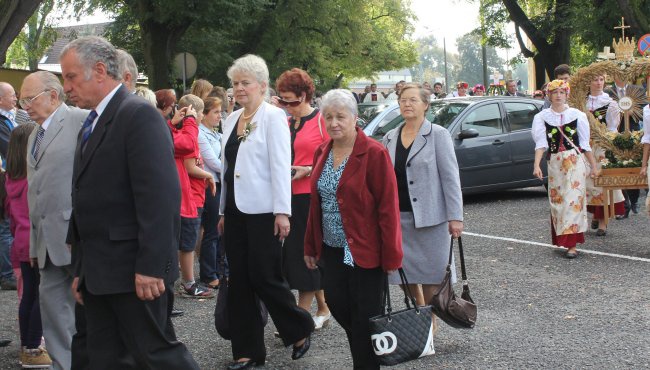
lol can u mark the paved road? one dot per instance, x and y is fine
(536, 308)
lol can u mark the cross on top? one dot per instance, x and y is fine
(622, 27)
(496, 77)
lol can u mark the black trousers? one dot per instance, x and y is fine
(631, 198)
(353, 295)
(255, 260)
(124, 332)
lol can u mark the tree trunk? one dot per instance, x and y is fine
(159, 43)
(13, 16)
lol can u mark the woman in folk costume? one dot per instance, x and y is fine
(605, 110)
(564, 132)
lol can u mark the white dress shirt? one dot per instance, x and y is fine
(553, 118)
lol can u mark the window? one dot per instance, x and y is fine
(520, 115)
(485, 119)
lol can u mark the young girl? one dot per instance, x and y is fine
(14, 198)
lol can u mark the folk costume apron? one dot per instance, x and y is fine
(603, 109)
(567, 191)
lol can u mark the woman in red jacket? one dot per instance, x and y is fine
(354, 225)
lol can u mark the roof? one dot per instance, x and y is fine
(401, 72)
(67, 34)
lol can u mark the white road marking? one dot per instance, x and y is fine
(586, 251)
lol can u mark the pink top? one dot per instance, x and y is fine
(17, 210)
(304, 141)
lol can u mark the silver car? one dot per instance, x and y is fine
(492, 138)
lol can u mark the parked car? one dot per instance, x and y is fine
(492, 139)
(368, 111)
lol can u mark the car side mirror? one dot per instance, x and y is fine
(467, 134)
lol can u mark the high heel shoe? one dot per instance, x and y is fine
(300, 351)
(250, 363)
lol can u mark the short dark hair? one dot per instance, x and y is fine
(562, 69)
(371, 85)
(437, 84)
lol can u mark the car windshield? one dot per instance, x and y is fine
(443, 112)
(440, 112)
(367, 112)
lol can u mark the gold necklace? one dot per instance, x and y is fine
(246, 118)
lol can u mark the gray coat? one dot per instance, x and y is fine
(49, 179)
(432, 171)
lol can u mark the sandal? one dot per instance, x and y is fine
(601, 232)
(571, 255)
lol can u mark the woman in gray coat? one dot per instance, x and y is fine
(430, 199)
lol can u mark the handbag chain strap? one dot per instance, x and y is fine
(463, 272)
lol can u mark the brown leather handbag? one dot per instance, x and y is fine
(458, 312)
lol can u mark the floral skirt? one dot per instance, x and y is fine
(567, 193)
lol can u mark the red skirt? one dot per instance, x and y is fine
(599, 211)
(568, 240)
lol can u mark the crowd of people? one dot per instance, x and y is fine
(111, 190)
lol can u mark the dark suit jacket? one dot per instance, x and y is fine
(367, 196)
(5, 133)
(125, 199)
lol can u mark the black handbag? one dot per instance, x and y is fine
(458, 312)
(404, 335)
(221, 322)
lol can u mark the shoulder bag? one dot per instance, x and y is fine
(404, 335)
(458, 312)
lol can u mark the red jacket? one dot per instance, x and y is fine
(186, 140)
(368, 202)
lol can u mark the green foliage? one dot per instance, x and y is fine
(471, 59)
(34, 40)
(330, 39)
(432, 61)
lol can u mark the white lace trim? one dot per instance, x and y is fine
(595, 102)
(556, 119)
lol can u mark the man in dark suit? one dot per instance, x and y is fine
(511, 89)
(125, 216)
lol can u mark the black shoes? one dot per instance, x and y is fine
(300, 351)
(594, 224)
(250, 363)
(601, 232)
(8, 284)
(176, 312)
(635, 208)
(4, 342)
(624, 216)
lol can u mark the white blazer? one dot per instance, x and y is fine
(263, 168)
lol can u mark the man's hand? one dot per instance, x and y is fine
(310, 262)
(220, 226)
(75, 291)
(33, 262)
(148, 288)
(212, 185)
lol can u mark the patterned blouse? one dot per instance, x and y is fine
(333, 233)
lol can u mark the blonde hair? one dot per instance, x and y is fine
(201, 88)
(192, 100)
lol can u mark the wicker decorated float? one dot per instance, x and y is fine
(623, 150)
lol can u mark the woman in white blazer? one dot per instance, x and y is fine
(256, 206)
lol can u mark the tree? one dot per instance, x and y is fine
(432, 60)
(471, 59)
(13, 16)
(38, 35)
(562, 31)
(330, 39)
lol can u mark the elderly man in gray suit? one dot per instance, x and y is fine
(50, 160)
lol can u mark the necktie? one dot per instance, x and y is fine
(87, 128)
(37, 143)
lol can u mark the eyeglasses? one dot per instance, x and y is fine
(412, 101)
(289, 103)
(28, 101)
